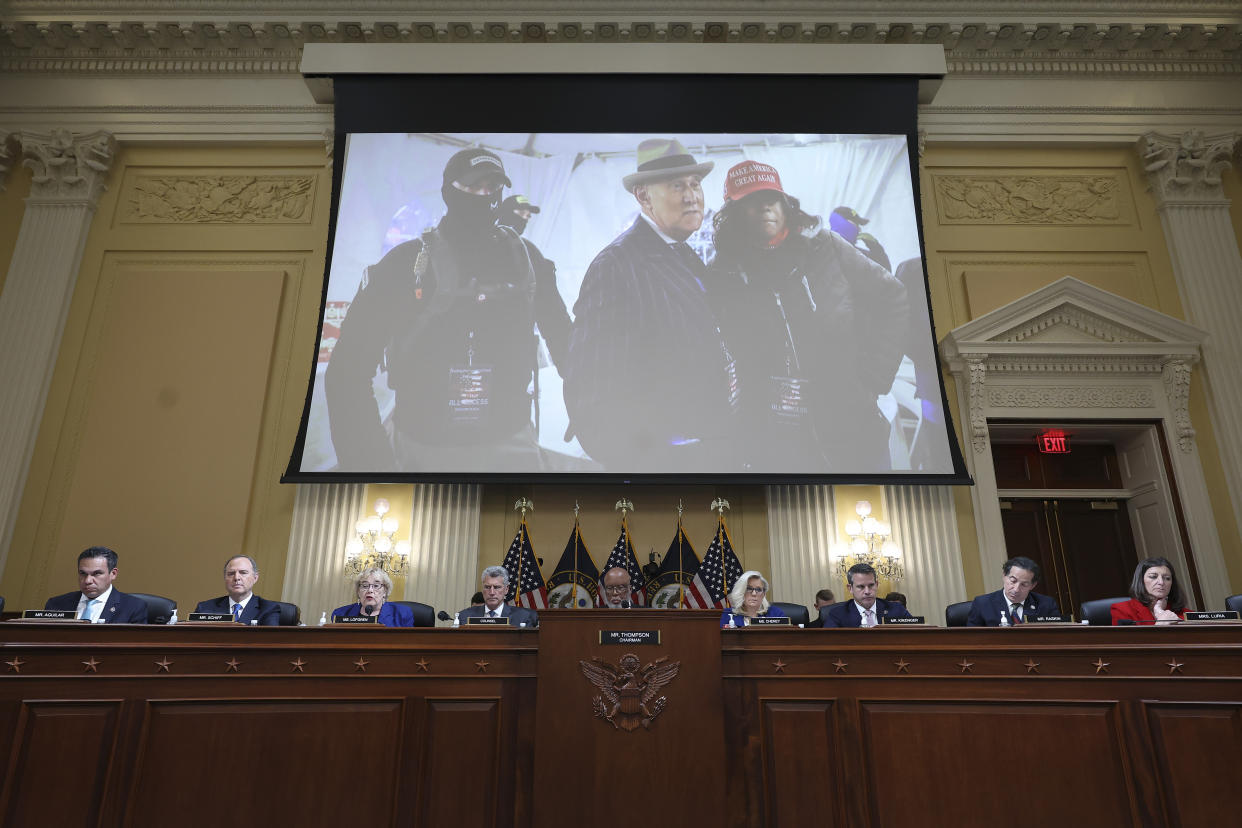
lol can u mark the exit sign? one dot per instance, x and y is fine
(1053, 442)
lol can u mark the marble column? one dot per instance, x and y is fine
(69, 172)
(1184, 172)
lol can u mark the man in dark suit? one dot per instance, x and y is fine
(1014, 601)
(241, 573)
(824, 598)
(647, 376)
(97, 601)
(495, 588)
(863, 609)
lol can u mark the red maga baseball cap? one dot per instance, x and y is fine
(750, 177)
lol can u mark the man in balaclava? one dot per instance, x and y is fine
(516, 212)
(452, 315)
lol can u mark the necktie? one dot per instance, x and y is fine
(869, 620)
(491, 613)
(1013, 613)
(237, 613)
(86, 610)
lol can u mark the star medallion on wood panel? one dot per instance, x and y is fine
(1100, 665)
(481, 665)
(361, 664)
(92, 665)
(840, 665)
(298, 664)
(967, 666)
(15, 666)
(163, 665)
(1032, 666)
(423, 664)
(1175, 666)
(902, 665)
(231, 665)
(778, 666)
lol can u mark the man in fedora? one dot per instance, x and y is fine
(452, 316)
(647, 378)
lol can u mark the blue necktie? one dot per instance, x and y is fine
(86, 610)
(237, 613)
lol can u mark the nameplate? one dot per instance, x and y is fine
(484, 621)
(913, 619)
(214, 617)
(768, 621)
(629, 638)
(355, 619)
(1213, 615)
(1050, 619)
(51, 615)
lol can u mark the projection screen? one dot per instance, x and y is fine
(660, 302)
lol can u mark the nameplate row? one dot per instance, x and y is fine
(630, 638)
(52, 615)
(355, 619)
(1212, 615)
(484, 621)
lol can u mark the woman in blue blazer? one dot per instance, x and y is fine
(749, 599)
(372, 587)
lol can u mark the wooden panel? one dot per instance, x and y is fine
(461, 742)
(799, 750)
(61, 755)
(1197, 748)
(918, 751)
(343, 755)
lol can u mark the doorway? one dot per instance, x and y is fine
(1088, 514)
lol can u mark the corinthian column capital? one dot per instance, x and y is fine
(1186, 168)
(67, 167)
(8, 149)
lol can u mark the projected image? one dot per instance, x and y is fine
(626, 304)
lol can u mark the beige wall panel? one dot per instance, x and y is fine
(988, 283)
(172, 406)
(653, 523)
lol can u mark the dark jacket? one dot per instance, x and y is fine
(986, 610)
(845, 613)
(266, 612)
(121, 608)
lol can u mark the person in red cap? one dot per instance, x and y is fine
(647, 380)
(815, 326)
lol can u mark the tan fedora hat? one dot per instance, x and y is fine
(664, 158)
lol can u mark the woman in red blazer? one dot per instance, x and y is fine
(1155, 596)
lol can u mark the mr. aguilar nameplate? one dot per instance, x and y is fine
(214, 617)
(484, 621)
(356, 619)
(767, 621)
(1212, 615)
(913, 619)
(636, 637)
(51, 615)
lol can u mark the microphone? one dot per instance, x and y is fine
(625, 605)
(444, 616)
(1125, 622)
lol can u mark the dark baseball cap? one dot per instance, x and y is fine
(470, 166)
(519, 202)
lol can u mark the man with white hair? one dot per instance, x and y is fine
(495, 582)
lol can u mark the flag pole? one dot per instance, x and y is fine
(624, 505)
(681, 559)
(718, 506)
(573, 589)
(522, 505)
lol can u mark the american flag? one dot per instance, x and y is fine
(708, 590)
(623, 555)
(680, 565)
(521, 563)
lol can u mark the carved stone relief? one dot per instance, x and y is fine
(1070, 396)
(1187, 167)
(1029, 199)
(1176, 375)
(977, 365)
(1069, 316)
(231, 199)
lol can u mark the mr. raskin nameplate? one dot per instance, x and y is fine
(629, 637)
(484, 621)
(768, 621)
(913, 619)
(1212, 615)
(1050, 619)
(356, 619)
(216, 617)
(52, 615)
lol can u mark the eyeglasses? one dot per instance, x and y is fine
(759, 590)
(617, 588)
(369, 587)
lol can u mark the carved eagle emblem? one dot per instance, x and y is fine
(629, 694)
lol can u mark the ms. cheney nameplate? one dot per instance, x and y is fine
(768, 621)
(627, 637)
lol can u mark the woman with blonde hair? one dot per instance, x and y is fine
(372, 587)
(749, 599)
